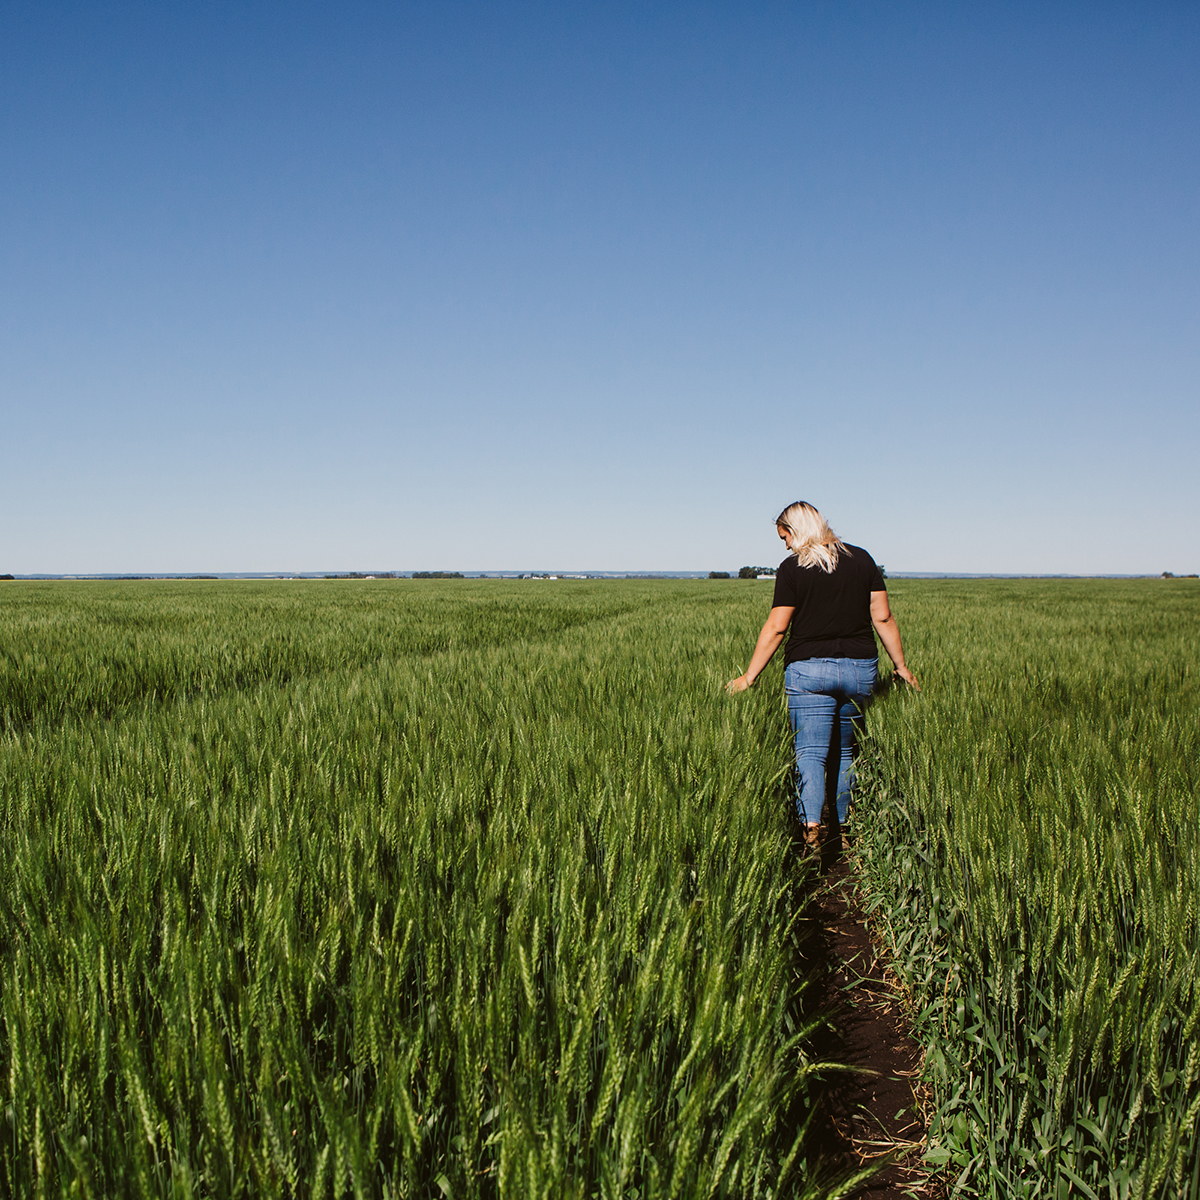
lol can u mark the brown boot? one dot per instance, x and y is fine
(812, 839)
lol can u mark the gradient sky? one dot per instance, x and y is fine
(599, 285)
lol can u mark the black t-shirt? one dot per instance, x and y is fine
(833, 610)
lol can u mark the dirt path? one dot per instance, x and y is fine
(878, 1110)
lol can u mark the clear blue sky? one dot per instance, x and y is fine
(598, 286)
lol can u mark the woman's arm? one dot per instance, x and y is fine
(889, 635)
(770, 638)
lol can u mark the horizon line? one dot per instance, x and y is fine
(387, 574)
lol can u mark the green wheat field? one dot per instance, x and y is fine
(484, 888)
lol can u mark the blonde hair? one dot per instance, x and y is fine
(809, 537)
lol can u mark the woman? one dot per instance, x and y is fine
(830, 594)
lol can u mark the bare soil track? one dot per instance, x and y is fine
(875, 1110)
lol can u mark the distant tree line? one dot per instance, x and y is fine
(364, 575)
(394, 575)
(755, 572)
(743, 573)
(7, 576)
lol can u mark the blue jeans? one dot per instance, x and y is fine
(826, 698)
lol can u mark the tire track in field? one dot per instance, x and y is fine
(41, 703)
(876, 1110)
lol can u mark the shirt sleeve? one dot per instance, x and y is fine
(785, 586)
(877, 581)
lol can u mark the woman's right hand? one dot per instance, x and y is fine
(740, 684)
(907, 676)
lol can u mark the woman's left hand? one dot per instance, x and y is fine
(740, 684)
